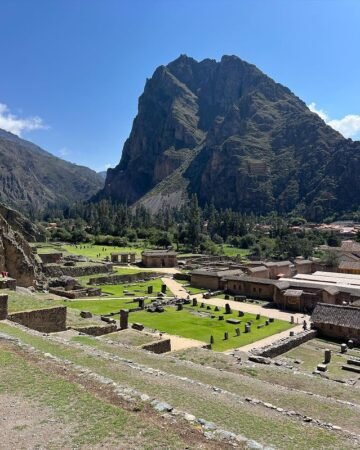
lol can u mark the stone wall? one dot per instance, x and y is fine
(205, 281)
(337, 332)
(126, 278)
(50, 258)
(3, 306)
(285, 344)
(76, 293)
(162, 346)
(8, 283)
(97, 330)
(57, 270)
(47, 320)
(182, 276)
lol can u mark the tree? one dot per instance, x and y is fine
(194, 222)
(330, 258)
(163, 240)
(333, 240)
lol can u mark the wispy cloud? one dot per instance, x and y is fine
(348, 126)
(14, 124)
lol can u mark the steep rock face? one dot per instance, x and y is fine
(165, 128)
(15, 253)
(231, 134)
(30, 177)
(21, 224)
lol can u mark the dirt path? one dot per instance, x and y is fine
(178, 342)
(268, 340)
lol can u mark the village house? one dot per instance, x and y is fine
(159, 258)
(349, 267)
(303, 265)
(337, 322)
(258, 272)
(278, 269)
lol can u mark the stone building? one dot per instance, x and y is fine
(335, 321)
(123, 257)
(258, 272)
(352, 267)
(159, 258)
(279, 269)
(303, 265)
(252, 287)
(212, 278)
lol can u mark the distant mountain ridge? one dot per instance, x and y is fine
(31, 178)
(229, 133)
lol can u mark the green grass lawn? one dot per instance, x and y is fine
(21, 302)
(117, 271)
(139, 289)
(230, 250)
(93, 251)
(100, 306)
(187, 324)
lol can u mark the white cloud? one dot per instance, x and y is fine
(319, 112)
(348, 126)
(14, 124)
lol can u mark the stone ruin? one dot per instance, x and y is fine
(69, 287)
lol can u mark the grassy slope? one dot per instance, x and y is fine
(255, 422)
(90, 419)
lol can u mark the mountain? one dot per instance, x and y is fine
(229, 133)
(30, 177)
(102, 174)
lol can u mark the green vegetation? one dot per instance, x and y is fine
(136, 288)
(23, 302)
(230, 250)
(102, 306)
(196, 323)
(99, 251)
(117, 271)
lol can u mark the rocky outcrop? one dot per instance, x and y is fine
(231, 134)
(21, 224)
(16, 256)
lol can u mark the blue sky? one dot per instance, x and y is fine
(72, 70)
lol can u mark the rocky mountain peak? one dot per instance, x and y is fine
(228, 132)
